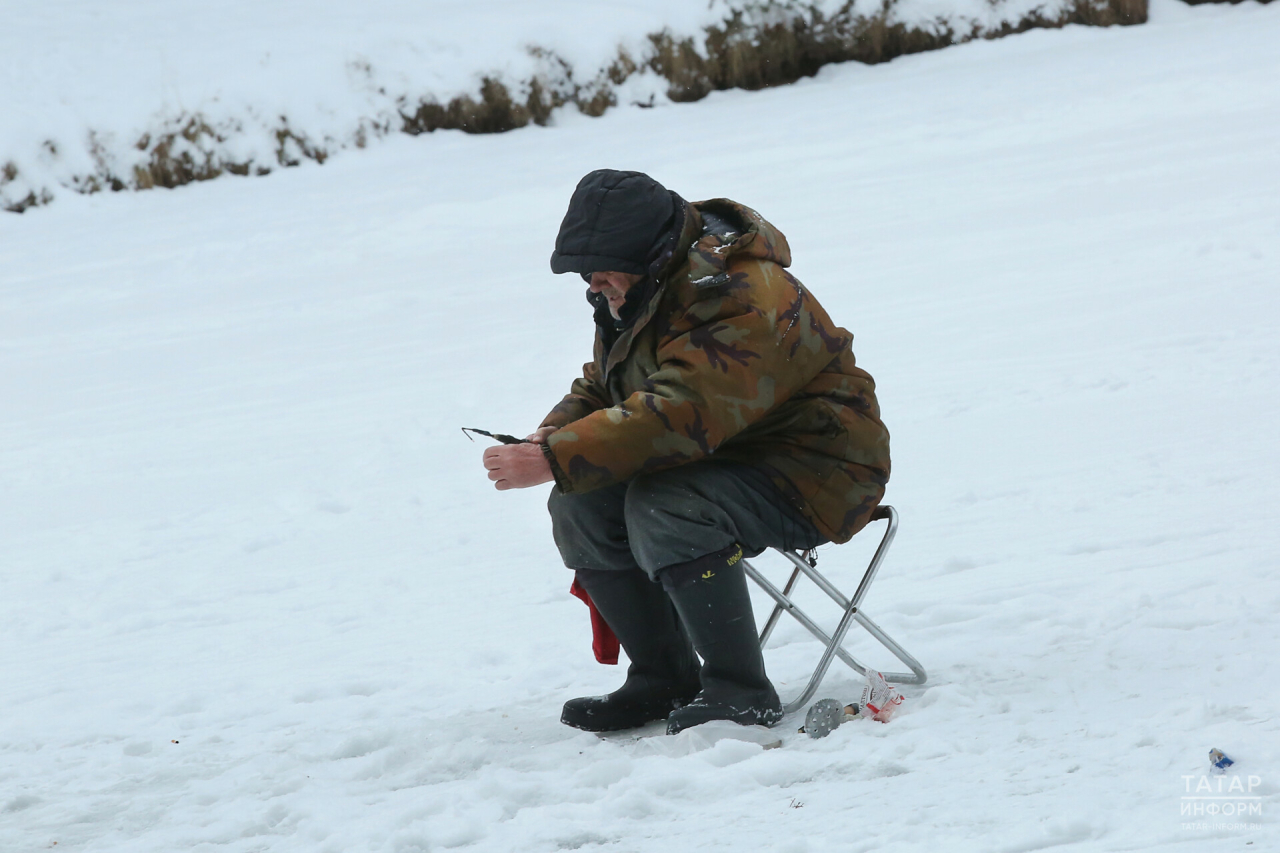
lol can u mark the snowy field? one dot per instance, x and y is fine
(256, 593)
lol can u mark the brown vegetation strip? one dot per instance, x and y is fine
(739, 53)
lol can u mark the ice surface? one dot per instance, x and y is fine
(257, 594)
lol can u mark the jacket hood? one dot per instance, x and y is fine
(729, 230)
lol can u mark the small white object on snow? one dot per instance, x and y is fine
(879, 699)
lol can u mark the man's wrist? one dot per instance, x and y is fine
(562, 482)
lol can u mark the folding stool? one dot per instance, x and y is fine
(852, 613)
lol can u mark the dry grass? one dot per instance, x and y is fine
(9, 174)
(766, 45)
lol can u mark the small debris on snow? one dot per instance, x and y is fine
(878, 702)
(825, 716)
(880, 698)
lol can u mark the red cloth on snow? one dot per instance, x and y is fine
(603, 641)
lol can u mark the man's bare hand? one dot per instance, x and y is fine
(517, 466)
(540, 437)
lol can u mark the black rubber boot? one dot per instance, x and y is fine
(664, 672)
(711, 597)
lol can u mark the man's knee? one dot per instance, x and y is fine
(589, 510)
(650, 497)
(588, 529)
(670, 519)
(683, 492)
(559, 505)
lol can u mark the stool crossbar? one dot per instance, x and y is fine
(851, 614)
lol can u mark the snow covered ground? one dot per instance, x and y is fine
(256, 593)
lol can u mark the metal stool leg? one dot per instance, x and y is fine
(772, 621)
(850, 615)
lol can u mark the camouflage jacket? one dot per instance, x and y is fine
(732, 358)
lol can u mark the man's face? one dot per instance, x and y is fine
(614, 286)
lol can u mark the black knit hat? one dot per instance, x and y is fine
(613, 221)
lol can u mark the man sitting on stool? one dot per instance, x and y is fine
(722, 414)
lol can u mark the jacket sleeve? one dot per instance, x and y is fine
(585, 396)
(733, 362)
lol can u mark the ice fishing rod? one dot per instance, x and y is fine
(496, 436)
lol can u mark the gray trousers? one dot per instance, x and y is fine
(670, 517)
